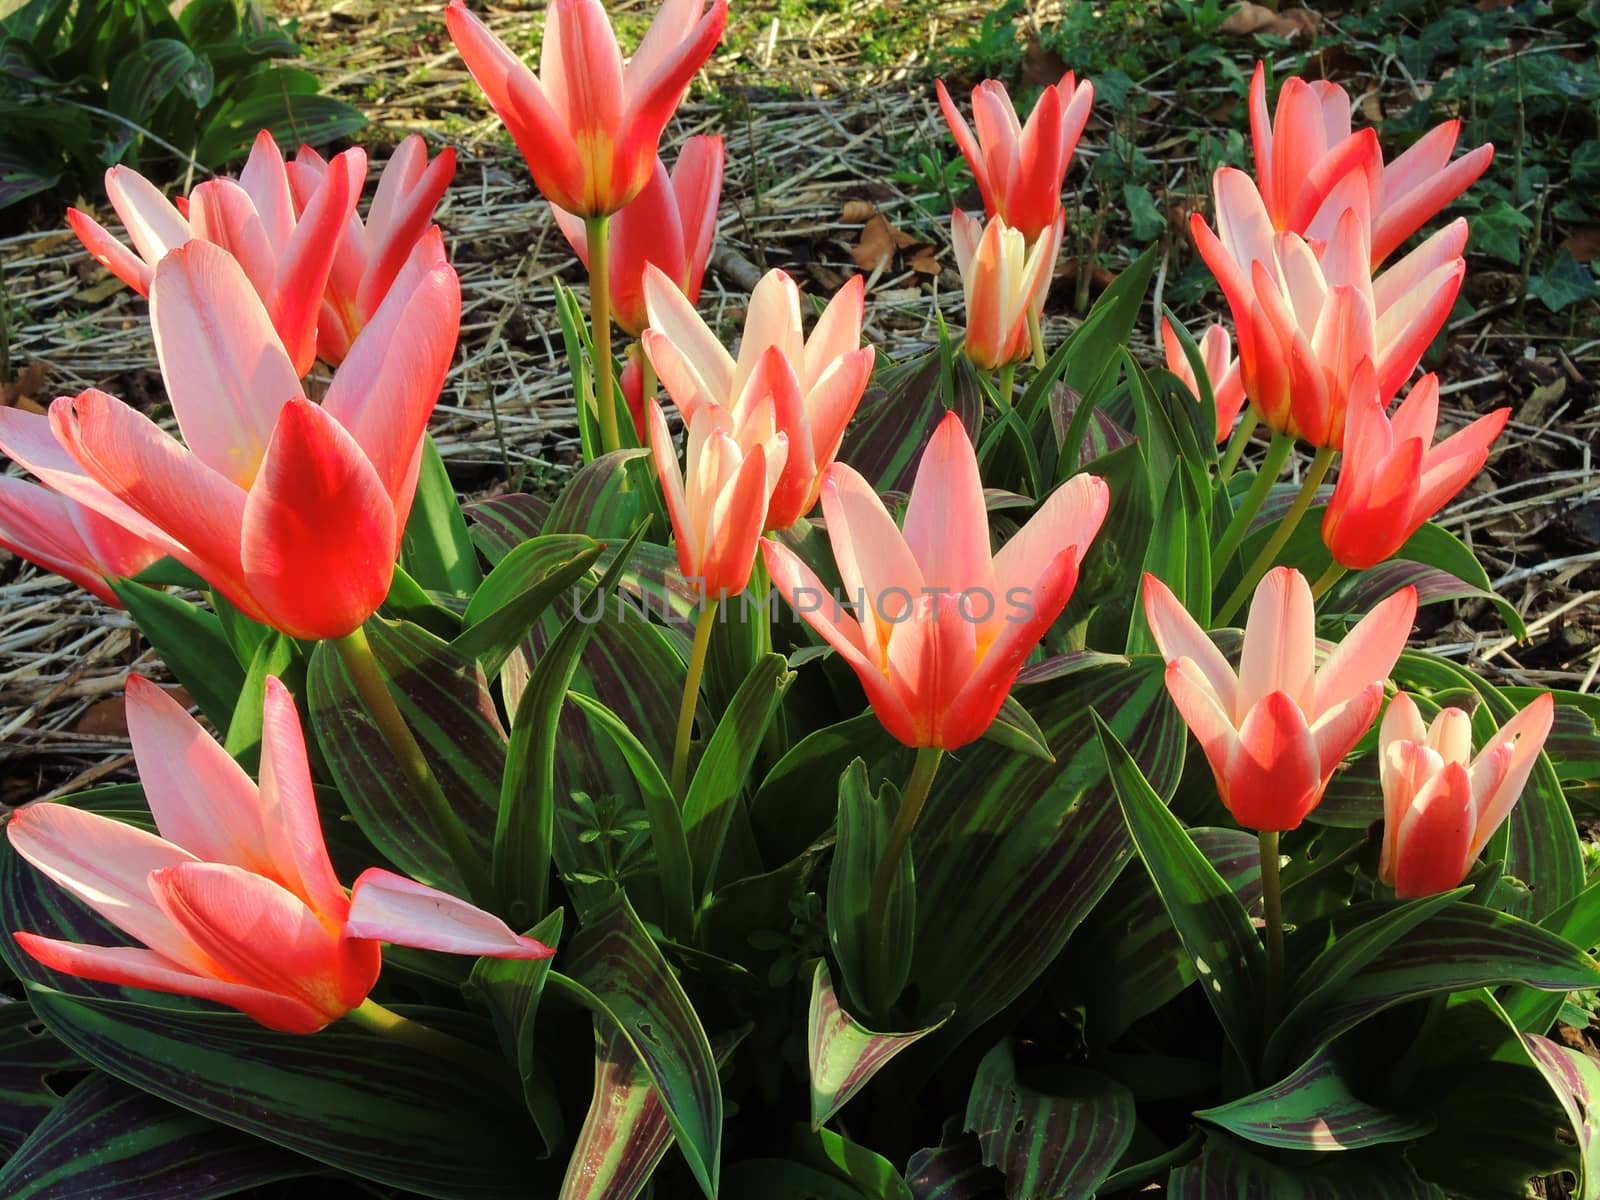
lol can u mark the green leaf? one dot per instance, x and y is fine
(874, 974)
(191, 642)
(279, 656)
(1225, 1170)
(953, 1170)
(108, 1139)
(1056, 1132)
(1564, 282)
(1313, 1108)
(151, 72)
(1015, 729)
(1148, 221)
(607, 498)
(1497, 231)
(844, 1054)
(29, 1057)
(1575, 1079)
(869, 1173)
(437, 551)
(780, 1179)
(1178, 553)
(1578, 922)
(292, 117)
(618, 973)
(521, 586)
(1211, 922)
(901, 408)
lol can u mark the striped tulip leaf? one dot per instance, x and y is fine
(1574, 1077)
(510, 600)
(901, 408)
(1055, 1133)
(502, 523)
(782, 1179)
(844, 1054)
(1313, 1108)
(446, 703)
(873, 971)
(1210, 920)
(617, 971)
(1578, 921)
(1012, 853)
(953, 1170)
(831, 1154)
(1361, 592)
(607, 498)
(436, 550)
(29, 1056)
(1226, 1170)
(108, 1139)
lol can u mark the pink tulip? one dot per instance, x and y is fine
(287, 256)
(941, 626)
(372, 253)
(669, 225)
(63, 536)
(718, 503)
(814, 384)
(1392, 477)
(1308, 319)
(1020, 168)
(1442, 804)
(1004, 281)
(1222, 371)
(1275, 732)
(590, 122)
(235, 901)
(633, 389)
(292, 510)
(1308, 160)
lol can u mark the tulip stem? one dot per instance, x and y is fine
(905, 820)
(1266, 475)
(691, 696)
(647, 380)
(597, 230)
(1005, 385)
(1272, 910)
(1237, 443)
(1264, 560)
(385, 1022)
(1326, 580)
(1036, 336)
(356, 651)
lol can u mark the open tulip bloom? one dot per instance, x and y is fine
(1275, 730)
(1005, 281)
(292, 510)
(63, 536)
(1222, 371)
(589, 123)
(236, 900)
(287, 251)
(1442, 803)
(941, 625)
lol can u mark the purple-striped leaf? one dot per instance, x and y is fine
(1358, 594)
(1055, 1133)
(953, 1170)
(1313, 1108)
(902, 406)
(110, 1140)
(1574, 1077)
(29, 1056)
(1226, 1170)
(606, 498)
(1103, 434)
(502, 523)
(513, 595)
(844, 1054)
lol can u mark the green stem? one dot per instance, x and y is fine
(1005, 385)
(647, 378)
(1280, 535)
(776, 740)
(387, 1023)
(916, 795)
(1267, 475)
(1036, 336)
(1272, 910)
(1326, 580)
(1237, 443)
(356, 652)
(691, 696)
(598, 233)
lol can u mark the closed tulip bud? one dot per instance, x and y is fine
(1275, 731)
(1222, 371)
(1442, 803)
(1004, 280)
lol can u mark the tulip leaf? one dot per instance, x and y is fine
(953, 1170)
(1178, 553)
(618, 973)
(607, 498)
(1360, 593)
(1210, 920)
(525, 831)
(514, 594)
(1313, 1108)
(781, 1179)
(874, 973)
(109, 1139)
(1055, 1132)
(1574, 1077)
(844, 1054)
(1165, 422)
(1578, 922)
(502, 523)
(832, 1155)
(902, 406)
(1015, 728)
(1108, 580)
(29, 1056)
(277, 655)
(447, 706)
(1226, 1170)
(436, 549)
(1012, 852)
(191, 643)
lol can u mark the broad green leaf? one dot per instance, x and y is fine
(1359, 594)
(1015, 728)
(502, 523)
(1225, 1170)
(1578, 922)
(845, 1160)
(607, 498)
(277, 655)
(616, 971)
(522, 585)
(901, 408)
(151, 72)
(111, 1140)
(1055, 1132)
(29, 1057)
(1178, 553)
(1313, 1108)
(780, 1179)
(437, 551)
(190, 641)
(1208, 916)
(1108, 581)
(953, 1170)
(873, 974)
(293, 117)
(1575, 1079)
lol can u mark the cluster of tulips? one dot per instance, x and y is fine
(292, 508)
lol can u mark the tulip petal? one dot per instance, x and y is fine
(880, 574)
(1451, 464)
(266, 179)
(291, 828)
(1410, 204)
(1180, 637)
(931, 654)
(1525, 733)
(970, 150)
(1432, 845)
(1212, 725)
(305, 263)
(772, 320)
(154, 226)
(699, 365)
(396, 228)
(110, 253)
(35, 524)
(1337, 730)
(222, 213)
(1274, 774)
(837, 332)
(391, 908)
(1279, 652)
(1368, 652)
(1401, 723)
(946, 522)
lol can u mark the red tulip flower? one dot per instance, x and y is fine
(670, 225)
(235, 901)
(941, 626)
(1005, 281)
(589, 123)
(1392, 477)
(74, 542)
(1442, 803)
(1222, 371)
(292, 510)
(1020, 167)
(286, 253)
(1275, 731)
(372, 253)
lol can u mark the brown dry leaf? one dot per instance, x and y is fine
(1584, 243)
(23, 390)
(103, 718)
(879, 241)
(857, 212)
(925, 262)
(1246, 18)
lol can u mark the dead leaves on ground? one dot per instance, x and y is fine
(880, 241)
